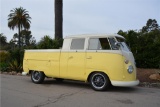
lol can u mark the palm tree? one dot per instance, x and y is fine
(19, 18)
(58, 19)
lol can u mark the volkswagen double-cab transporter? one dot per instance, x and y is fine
(101, 60)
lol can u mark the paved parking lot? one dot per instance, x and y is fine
(19, 91)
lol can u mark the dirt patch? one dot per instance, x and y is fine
(143, 75)
(145, 81)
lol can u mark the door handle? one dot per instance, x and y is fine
(89, 57)
(70, 57)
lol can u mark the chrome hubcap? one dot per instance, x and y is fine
(36, 75)
(98, 81)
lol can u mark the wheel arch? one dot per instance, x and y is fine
(96, 72)
(30, 71)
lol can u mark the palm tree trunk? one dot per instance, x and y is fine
(19, 35)
(19, 43)
(58, 19)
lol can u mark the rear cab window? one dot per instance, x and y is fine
(77, 44)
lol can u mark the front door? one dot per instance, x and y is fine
(97, 54)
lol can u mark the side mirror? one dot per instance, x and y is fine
(117, 44)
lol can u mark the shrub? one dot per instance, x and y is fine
(17, 55)
(15, 66)
(4, 56)
(57, 43)
(4, 59)
(16, 60)
(11, 61)
(4, 67)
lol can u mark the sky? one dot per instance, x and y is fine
(82, 16)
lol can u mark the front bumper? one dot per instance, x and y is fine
(125, 83)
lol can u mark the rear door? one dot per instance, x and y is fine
(76, 59)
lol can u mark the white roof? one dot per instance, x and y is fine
(93, 35)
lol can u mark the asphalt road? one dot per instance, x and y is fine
(19, 91)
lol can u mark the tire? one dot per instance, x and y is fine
(99, 81)
(37, 77)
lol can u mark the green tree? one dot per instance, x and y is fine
(145, 44)
(3, 40)
(19, 18)
(45, 43)
(12, 44)
(151, 25)
(26, 36)
(58, 19)
(48, 43)
(57, 43)
(27, 39)
(4, 45)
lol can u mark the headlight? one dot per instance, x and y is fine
(130, 69)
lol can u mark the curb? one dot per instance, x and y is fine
(149, 85)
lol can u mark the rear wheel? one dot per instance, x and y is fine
(37, 77)
(99, 81)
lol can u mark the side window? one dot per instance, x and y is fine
(112, 42)
(77, 44)
(99, 44)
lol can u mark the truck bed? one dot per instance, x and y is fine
(42, 54)
(42, 60)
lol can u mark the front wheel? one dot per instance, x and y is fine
(99, 81)
(37, 77)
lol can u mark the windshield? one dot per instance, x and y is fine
(123, 45)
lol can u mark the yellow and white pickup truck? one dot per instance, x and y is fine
(101, 60)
